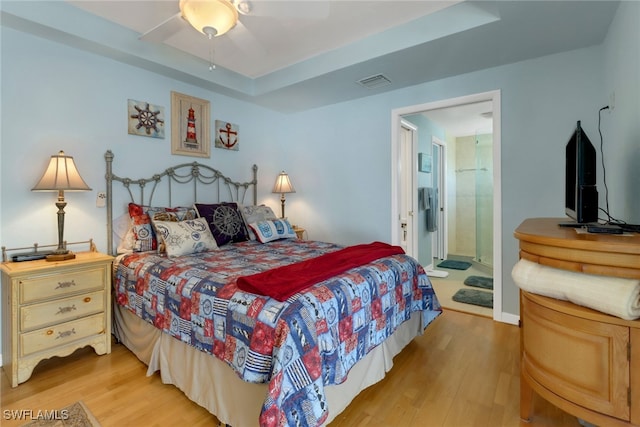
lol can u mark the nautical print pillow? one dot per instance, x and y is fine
(252, 213)
(268, 231)
(144, 236)
(225, 222)
(185, 237)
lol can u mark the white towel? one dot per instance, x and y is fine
(611, 295)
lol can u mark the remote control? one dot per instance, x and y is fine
(30, 256)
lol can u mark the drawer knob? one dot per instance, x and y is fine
(87, 299)
(68, 309)
(66, 284)
(50, 332)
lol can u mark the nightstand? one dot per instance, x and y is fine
(299, 231)
(52, 309)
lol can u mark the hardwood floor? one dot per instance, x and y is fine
(462, 372)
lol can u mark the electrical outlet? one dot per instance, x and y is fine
(101, 199)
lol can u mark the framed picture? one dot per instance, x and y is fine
(227, 136)
(145, 119)
(424, 162)
(190, 117)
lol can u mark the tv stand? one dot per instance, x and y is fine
(583, 361)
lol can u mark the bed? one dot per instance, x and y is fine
(253, 355)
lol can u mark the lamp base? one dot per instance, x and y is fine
(61, 257)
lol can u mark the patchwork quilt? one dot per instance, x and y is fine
(297, 346)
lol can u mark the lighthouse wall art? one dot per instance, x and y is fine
(190, 134)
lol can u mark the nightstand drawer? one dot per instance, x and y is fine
(57, 285)
(59, 335)
(47, 313)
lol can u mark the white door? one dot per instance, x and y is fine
(407, 191)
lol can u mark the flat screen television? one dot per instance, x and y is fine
(581, 194)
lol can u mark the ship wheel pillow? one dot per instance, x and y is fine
(225, 221)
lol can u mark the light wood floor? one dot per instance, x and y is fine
(462, 372)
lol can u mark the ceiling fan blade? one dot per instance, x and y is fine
(316, 9)
(165, 29)
(246, 41)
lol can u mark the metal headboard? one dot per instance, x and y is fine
(178, 175)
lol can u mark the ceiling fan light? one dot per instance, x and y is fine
(220, 15)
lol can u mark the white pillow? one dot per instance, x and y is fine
(186, 237)
(267, 231)
(252, 214)
(123, 234)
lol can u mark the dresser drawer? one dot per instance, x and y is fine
(49, 286)
(61, 310)
(59, 335)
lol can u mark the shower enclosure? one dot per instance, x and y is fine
(474, 198)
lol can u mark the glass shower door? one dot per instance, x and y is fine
(484, 199)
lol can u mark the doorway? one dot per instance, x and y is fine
(449, 206)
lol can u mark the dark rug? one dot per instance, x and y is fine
(475, 297)
(479, 282)
(455, 265)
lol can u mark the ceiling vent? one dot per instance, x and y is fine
(374, 82)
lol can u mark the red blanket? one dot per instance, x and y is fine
(282, 282)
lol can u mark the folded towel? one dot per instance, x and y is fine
(611, 295)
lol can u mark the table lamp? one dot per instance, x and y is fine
(61, 175)
(282, 186)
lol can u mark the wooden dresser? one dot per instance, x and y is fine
(583, 361)
(53, 308)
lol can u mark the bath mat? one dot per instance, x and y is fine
(455, 265)
(479, 282)
(475, 297)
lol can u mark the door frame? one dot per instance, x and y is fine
(441, 235)
(494, 97)
(412, 202)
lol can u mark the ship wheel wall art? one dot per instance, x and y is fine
(227, 136)
(190, 118)
(145, 119)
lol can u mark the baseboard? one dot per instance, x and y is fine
(512, 319)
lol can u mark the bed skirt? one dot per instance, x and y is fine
(217, 388)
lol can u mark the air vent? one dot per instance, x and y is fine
(375, 81)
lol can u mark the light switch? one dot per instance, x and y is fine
(101, 200)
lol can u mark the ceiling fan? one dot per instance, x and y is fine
(214, 18)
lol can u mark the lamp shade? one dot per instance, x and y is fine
(210, 17)
(283, 184)
(61, 175)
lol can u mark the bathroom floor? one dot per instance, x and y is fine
(445, 287)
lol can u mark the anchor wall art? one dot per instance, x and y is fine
(190, 118)
(227, 136)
